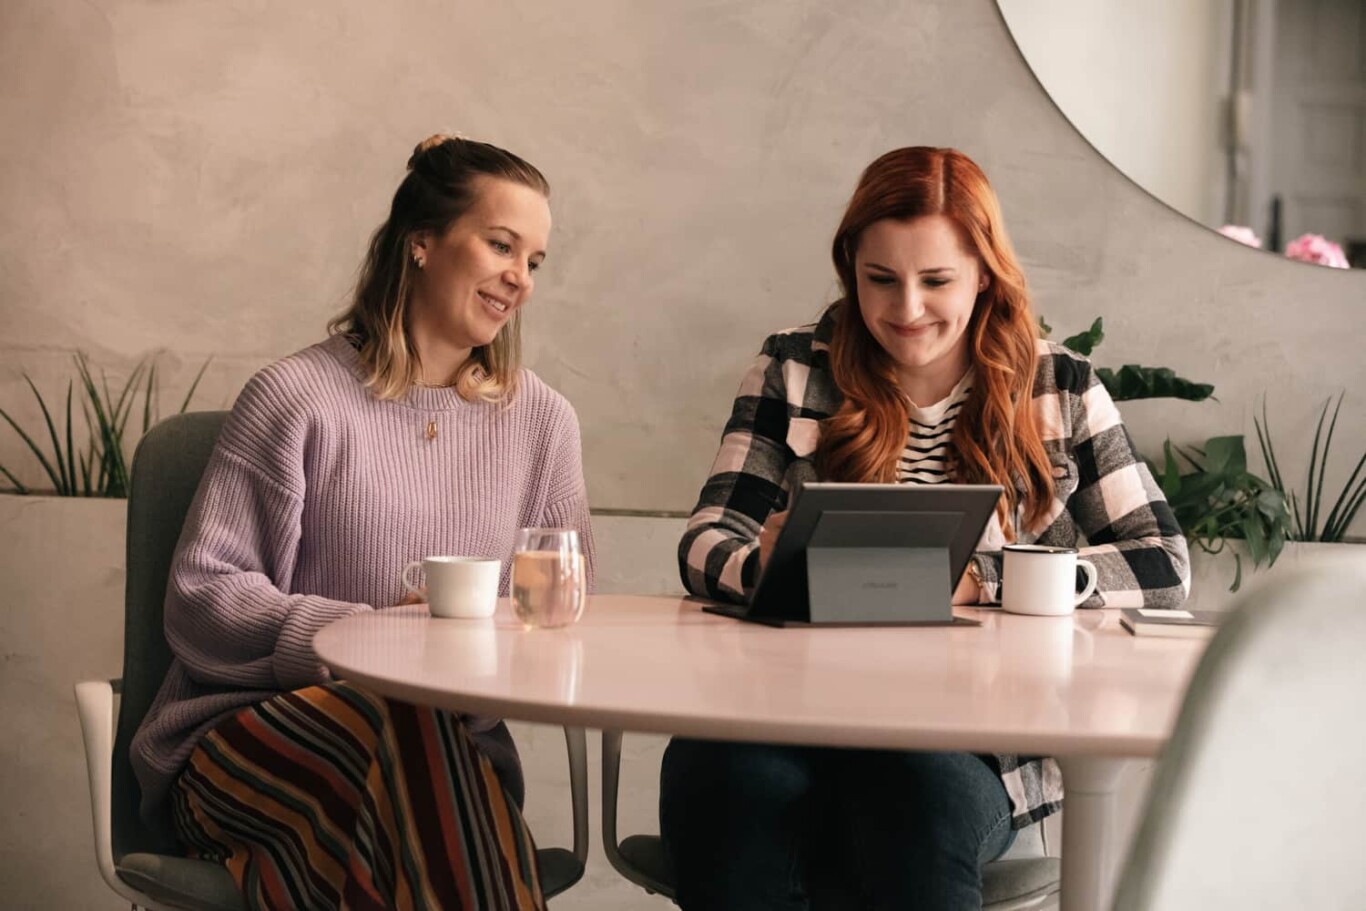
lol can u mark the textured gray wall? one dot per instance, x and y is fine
(199, 178)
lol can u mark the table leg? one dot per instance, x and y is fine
(1089, 852)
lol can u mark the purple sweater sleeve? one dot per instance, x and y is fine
(229, 616)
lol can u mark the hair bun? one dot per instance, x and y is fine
(431, 142)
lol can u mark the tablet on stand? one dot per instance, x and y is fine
(870, 555)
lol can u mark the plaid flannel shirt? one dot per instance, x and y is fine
(1103, 492)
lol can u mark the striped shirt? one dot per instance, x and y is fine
(1103, 493)
(929, 457)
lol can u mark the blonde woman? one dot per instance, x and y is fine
(412, 430)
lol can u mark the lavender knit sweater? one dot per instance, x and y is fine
(315, 497)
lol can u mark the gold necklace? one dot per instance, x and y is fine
(431, 422)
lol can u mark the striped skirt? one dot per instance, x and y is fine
(330, 797)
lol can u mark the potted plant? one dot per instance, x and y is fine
(98, 467)
(1307, 509)
(1217, 499)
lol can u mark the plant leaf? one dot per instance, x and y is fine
(88, 488)
(1225, 456)
(47, 466)
(122, 409)
(1218, 500)
(1276, 543)
(1171, 472)
(1134, 382)
(1085, 342)
(18, 486)
(147, 398)
(1255, 535)
(1354, 502)
(85, 476)
(1273, 468)
(100, 429)
(1311, 501)
(1336, 517)
(59, 481)
(1323, 464)
(205, 366)
(70, 447)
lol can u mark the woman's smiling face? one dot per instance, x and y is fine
(918, 282)
(477, 273)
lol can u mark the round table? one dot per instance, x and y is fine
(1078, 687)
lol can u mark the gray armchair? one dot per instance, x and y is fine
(144, 863)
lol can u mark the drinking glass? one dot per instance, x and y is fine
(549, 581)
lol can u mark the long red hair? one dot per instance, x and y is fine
(996, 434)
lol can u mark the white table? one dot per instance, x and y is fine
(1079, 688)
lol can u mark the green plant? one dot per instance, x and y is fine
(1216, 498)
(99, 468)
(1305, 524)
(1131, 381)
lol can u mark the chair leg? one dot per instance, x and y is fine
(576, 742)
(611, 776)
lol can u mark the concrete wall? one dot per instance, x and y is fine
(199, 178)
(61, 621)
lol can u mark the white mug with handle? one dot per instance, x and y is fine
(1042, 580)
(464, 587)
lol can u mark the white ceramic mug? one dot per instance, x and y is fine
(464, 587)
(1042, 580)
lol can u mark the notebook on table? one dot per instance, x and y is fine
(1182, 624)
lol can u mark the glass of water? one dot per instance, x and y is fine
(549, 579)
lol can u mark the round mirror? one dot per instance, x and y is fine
(1248, 116)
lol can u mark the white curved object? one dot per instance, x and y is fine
(95, 706)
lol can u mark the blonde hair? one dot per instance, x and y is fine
(439, 187)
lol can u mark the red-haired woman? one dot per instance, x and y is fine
(930, 369)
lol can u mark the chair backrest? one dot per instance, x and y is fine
(166, 470)
(1258, 800)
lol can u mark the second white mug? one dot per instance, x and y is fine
(1042, 580)
(464, 587)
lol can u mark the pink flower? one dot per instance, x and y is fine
(1242, 234)
(1315, 248)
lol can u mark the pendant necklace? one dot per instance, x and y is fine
(431, 421)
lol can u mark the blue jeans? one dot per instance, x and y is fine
(780, 828)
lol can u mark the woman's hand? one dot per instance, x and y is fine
(769, 534)
(417, 597)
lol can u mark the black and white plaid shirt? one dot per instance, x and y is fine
(1103, 492)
